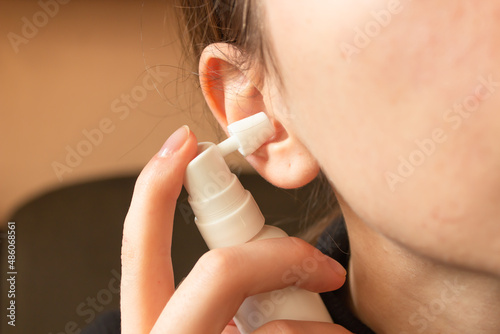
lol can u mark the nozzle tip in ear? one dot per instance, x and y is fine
(248, 134)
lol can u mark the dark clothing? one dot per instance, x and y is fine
(335, 243)
(106, 323)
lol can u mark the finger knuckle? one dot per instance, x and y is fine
(279, 327)
(147, 177)
(130, 262)
(156, 180)
(301, 246)
(128, 251)
(221, 262)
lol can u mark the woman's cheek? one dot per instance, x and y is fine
(406, 125)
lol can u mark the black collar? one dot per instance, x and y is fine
(335, 243)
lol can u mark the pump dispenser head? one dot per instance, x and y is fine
(226, 213)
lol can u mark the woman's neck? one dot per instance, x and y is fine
(395, 291)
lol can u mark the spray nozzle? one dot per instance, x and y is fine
(247, 135)
(226, 213)
(208, 174)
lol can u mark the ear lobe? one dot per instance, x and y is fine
(231, 94)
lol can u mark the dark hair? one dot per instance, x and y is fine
(236, 22)
(241, 23)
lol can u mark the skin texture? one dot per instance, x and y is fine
(404, 123)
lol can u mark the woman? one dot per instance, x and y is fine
(396, 102)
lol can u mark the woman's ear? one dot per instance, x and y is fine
(234, 92)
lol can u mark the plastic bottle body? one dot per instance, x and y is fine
(227, 215)
(289, 303)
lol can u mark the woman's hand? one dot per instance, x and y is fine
(211, 294)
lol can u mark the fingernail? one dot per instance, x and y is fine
(337, 267)
(175, 141)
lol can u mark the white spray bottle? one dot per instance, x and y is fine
(226, 215)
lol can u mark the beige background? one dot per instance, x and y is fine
(71, 75)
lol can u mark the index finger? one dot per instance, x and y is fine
(147, 274)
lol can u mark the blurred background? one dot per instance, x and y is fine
(79, 69)
(89, 91)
